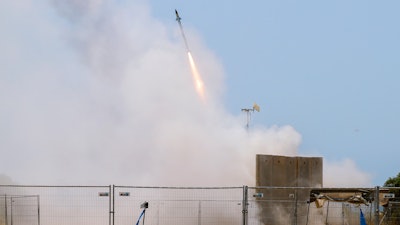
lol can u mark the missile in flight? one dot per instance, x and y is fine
(178, 18)
(198, 82)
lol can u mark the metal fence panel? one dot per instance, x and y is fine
(291, 206)
(271, 205)
(121, 205)
(175, 206)
(391, 211)
(49, 205)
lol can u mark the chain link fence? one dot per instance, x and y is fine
(121, 205)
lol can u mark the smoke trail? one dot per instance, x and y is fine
(108, 100)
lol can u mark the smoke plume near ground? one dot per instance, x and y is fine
(99, 92)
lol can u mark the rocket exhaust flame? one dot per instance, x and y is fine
(198, 82)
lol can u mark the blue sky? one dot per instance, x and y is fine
(328, 68)
(87, 87)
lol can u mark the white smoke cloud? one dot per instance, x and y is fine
(4, 179)
(345, 173)
(100, 92)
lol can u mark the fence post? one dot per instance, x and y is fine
(38, 208)
(111, 204)
(5, 208)
(245, 205)
(295, 206)
(376, 205)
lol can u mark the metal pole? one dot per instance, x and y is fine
(113, 205)
(295, 207)
(5, 209)
(377, 205)
(327, 213)
(248, 116)
(199, 214)
(370, 213)
(5, 204)
(308, 211)
(11, 210)
(109, 205)
(38, 208)
(244, 205)
(342, 213)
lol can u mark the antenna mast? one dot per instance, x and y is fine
(248, 112)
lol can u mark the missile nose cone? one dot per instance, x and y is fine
(177, 15)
